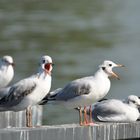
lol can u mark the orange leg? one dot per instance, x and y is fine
(90, 116)
(80, 116)
(85, 116)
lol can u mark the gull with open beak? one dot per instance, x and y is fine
(28, 92)
(85, 91)
(6, 70)
(107, 67)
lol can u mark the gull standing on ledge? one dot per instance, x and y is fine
(28, 92)
(113, 110)
(85, 91)
(6, 70)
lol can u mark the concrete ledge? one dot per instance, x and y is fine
(17, 119)
(104, 131)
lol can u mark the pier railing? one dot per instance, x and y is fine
(12, 127)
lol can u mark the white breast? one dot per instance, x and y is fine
(41, 90)
(6, 75)
(100, 88)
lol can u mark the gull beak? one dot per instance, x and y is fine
(138, 104)
(114, 74)
(47, 68)
(47, 72)
(120, 65)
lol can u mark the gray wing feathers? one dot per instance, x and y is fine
(106, 111)
(55, 92)
(17, 93)
(73, 90)
(4, 92)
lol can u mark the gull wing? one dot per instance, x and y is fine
(73, 89)
(109, 110)
(17, 92)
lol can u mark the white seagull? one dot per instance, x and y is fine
(28, 92)
(113, 110)
(85, 91)
(6, 70)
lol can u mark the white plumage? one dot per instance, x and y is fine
(28, 92)
(113, 110)
(85, 91)
(6, 70)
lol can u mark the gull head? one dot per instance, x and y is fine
(107, 67)
(46, 64)
(7, 60)
(133, 100)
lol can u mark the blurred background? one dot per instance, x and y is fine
(78, 35)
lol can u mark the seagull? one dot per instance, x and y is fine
(6, 70)
(29, 91)
(113, 110)
(84, 91)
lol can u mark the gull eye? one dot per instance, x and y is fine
(110, 65)
(43, 61)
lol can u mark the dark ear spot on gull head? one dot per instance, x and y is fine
(103, 68)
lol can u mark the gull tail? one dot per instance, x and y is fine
(103, 99)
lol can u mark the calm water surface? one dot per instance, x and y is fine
(78, 35)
